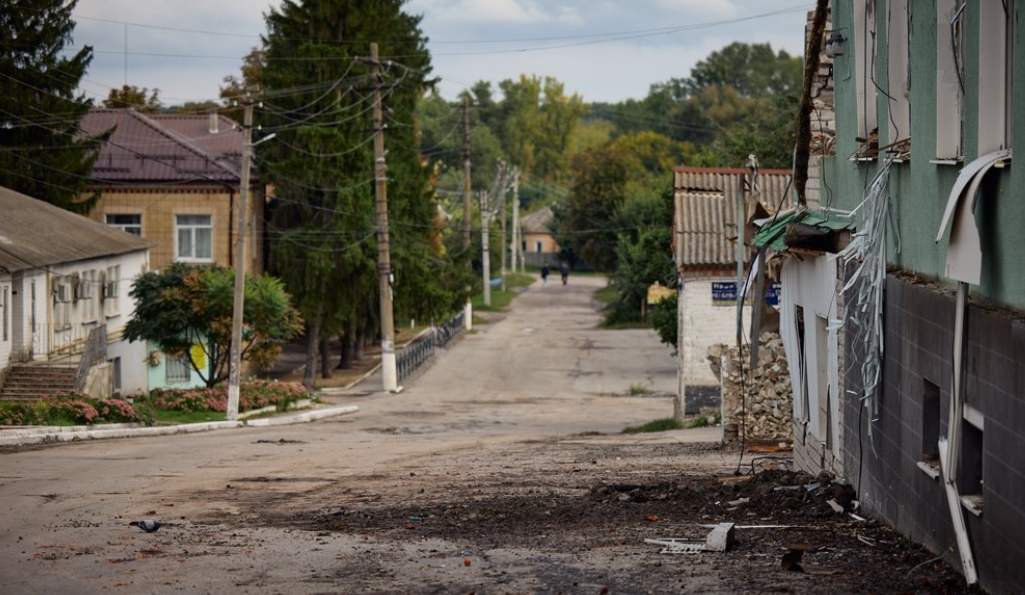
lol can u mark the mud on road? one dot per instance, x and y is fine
(572, 516)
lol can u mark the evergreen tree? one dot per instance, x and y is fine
(318, 91)
(42, 151)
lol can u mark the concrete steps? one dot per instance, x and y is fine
(30, 381)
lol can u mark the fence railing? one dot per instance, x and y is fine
(56, 343)
(421, 350)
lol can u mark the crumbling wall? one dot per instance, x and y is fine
(758, 404)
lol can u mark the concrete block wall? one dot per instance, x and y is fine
(882, 452)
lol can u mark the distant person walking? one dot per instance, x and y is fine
(564, 270)
(544, 275)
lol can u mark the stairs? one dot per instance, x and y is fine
(30, 381)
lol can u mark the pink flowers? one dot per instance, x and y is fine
(254, 394)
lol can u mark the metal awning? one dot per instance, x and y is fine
(774, 232)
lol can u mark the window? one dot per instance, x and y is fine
(62, 295)
(972, 485)
(177, 368)
(538, 246)
(194, 237)
(132, 223)
(87, 291)
(930, 458)
(949, 80)
(898, 48)
(996, 69)
(865, 46)
(112, 291)
(115, 376)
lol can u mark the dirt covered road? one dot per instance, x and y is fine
(501, 469)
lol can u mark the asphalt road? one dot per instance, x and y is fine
(542, 371)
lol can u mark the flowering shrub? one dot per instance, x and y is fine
(254, 394)
(70, 408)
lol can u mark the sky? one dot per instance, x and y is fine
(603, 50)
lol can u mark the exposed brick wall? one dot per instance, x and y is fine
(919, 334)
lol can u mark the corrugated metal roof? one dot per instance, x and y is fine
(36, 234)
(706, 211)
(144, 149)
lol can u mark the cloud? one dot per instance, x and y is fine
(509, 12)
(716, 8)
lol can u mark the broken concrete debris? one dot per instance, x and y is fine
(758, 403)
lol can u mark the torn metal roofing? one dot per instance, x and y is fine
(774, 231)
(37, 234)
(161, 150)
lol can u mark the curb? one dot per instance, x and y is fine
(54, 435)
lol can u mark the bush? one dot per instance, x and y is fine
(67, 409)
(252, 395)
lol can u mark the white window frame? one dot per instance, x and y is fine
(132, 228)
(898, 48)
(62, 302)
(996, 69)
(112, 291)
(950, 20)
(87, 294)
(192, 228)
(865, 46)
(538, 246)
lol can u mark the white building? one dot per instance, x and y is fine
(62, 276)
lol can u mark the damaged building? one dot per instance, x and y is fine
(902, 293)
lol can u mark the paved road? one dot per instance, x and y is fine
(541, 371)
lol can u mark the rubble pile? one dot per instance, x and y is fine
(765, 414)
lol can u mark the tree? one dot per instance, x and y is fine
(134, 97)
(317, 93)
(42, 151)
(186, 307)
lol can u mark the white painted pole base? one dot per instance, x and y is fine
(468, 316)
(233, 399)
(389, 373)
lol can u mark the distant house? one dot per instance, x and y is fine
(705, 202)
(175, 180)
(64, 278)
(539, 245)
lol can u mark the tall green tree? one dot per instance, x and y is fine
(317, 93)
(185, 307)
(42, 151)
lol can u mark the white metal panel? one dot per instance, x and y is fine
(993, 83)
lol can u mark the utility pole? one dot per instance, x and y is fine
(235, 363)
(485, 223)
(501, 205)
(384, 273)
(517, 241)
(468, 312)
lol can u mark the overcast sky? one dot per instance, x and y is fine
(605, 50)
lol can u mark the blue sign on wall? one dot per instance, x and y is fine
(724, 293)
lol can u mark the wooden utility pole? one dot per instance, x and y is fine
(468, 311)
(384, 273)
(235, 363)
(501, 205)
(516, 232)
(485, 224)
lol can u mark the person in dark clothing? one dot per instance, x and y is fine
(564, 270)
(544, 274)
